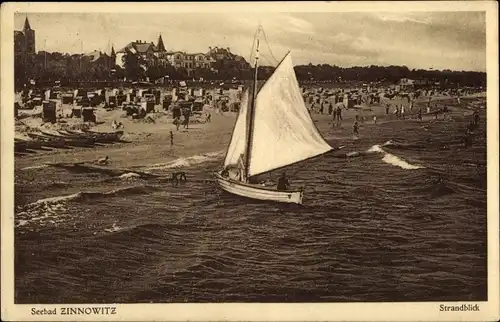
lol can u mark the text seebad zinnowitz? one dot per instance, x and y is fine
(99, 310)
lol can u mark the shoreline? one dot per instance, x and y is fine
(150, 143)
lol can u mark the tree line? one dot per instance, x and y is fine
(48, 67)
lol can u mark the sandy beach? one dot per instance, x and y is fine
(149, 143)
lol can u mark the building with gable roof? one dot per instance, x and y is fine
(157, 55)
(24, 40)
(152, 54)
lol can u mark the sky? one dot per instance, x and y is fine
(438, 40)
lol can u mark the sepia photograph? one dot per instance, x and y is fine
(206, 155)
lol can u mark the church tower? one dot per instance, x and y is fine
(160, 47)
(29, 36)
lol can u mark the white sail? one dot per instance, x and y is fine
(238, 140)
(283, 131)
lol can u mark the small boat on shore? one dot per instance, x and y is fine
(48, 141)
(106, 136)
(99, 137)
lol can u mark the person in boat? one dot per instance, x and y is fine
(283, 183)
(235, 171)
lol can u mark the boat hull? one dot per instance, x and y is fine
(258, 192)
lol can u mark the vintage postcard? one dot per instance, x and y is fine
(258, 161)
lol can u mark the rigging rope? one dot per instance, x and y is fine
(269, 47)
(267, 59)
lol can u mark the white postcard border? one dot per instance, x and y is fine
(407, 311)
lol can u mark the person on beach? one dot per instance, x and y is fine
(402, 111)
(476, 118)
(283, 183)
(419, 115)
(177, 123)
(339, 114)
(468, 135)
(334, 116)
(374, 119)
(187, 114)
(171, 139)
(387, 109)
(209, 117)
(355, 128)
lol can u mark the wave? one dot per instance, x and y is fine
(36, 167)
(187, 161)
(129, 175)
(81, 196)
(393, 159)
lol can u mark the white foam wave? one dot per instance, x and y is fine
(390, 142)
(41, 214)
(36, 167)
(186, 161)
(129, 175)
(352, 154)
(393, 159)
(52, 200)
(113, 228)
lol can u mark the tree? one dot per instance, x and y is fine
(133, 66)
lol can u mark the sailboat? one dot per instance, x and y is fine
(273, 130)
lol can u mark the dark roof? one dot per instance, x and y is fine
(142, 48)
(138, 47)
(26, 24)
(160, 46)
(95, 55)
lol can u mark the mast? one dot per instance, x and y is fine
(45, 54)
(250, 112)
